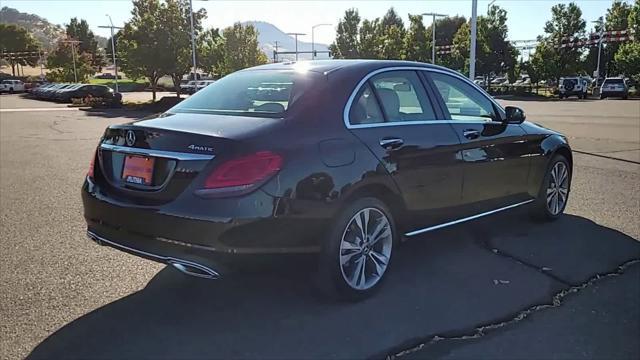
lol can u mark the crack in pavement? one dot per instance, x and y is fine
(605, 156)
(480, 331)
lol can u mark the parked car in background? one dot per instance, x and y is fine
(11, 86)
(87, 92)
(523, 81)
(188, 87)
(107, 76)
(397, 149)
(500, 81)
(573, 86)
(614, 87)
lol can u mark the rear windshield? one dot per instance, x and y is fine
(248, 93)
(614, 81)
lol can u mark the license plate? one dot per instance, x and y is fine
(138, 170)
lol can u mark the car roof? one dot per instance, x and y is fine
(328, 66)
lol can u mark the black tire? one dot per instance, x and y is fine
(540, 209)
(561, 96)
(331, 278)
(10, 90)
(625, 97)
(602, 97)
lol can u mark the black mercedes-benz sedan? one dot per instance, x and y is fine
(339, 158)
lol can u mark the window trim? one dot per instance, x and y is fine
(347, 108)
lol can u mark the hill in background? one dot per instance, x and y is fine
(268, 34)
(47, 33)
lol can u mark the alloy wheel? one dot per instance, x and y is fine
(558, 189)
(365, 248)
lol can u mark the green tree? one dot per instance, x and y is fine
(79, 30)
(634, 20)
(617, 18)
(211, 51)
(368, 41)
(502, 55)
(566, 21)
(177, 57)
(416, 45)
(140, 45)
(60, 63)
(346, 44)
(16, 39)
(446, 29)
(628, 60)
(391, 33)
(241, 49)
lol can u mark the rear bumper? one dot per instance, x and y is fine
(194, 268)
(216, 233)
(613, 93)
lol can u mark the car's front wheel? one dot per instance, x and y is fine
(554, 192)
(358, 252)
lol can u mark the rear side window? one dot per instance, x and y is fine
(614, 81)
(365, 108)
(463, 101)
(257, 92)
(402, 96)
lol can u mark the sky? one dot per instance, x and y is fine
(526, 18)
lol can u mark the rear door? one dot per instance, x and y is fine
(495, 154)
(394, 116)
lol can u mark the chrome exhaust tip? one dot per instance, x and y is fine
(194, 269)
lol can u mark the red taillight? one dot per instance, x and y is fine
(91, 165)
(244, 173)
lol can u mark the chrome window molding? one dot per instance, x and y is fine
(473, 217)
(347, 108)
(156, 153)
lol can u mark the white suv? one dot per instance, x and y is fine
(11, 86)
(574, 86)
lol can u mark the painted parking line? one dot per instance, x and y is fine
(40, 109)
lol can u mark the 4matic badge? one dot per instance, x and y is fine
(200, 148)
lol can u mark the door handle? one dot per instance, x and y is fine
(391, 143)
(471, 134)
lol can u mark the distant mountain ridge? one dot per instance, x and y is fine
(268, 34)
(47, 33)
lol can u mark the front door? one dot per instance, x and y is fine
(494, 154)
(395, 118)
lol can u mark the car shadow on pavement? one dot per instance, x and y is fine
(444, 283)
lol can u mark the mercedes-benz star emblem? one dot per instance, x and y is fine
(130, 138)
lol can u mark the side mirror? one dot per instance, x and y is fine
(515, 115)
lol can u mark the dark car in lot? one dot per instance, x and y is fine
(341, 158)
(84, 91)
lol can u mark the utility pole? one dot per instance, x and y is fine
(474, 30)
(433, 34)
(73, 53)
(113, 48)
(275, 53)
(313, 43)
(193, 42)
(296, 36)
(600, 22)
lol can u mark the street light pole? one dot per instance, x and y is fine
(600, 36)
(193, 41)
(474, 29)
(113, 49)
(73, 56)
(433, 34)
(313, 43)
(296, 36)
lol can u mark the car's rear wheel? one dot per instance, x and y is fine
(554, 192)
(358, 252)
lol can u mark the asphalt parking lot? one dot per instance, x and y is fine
(501, 287)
